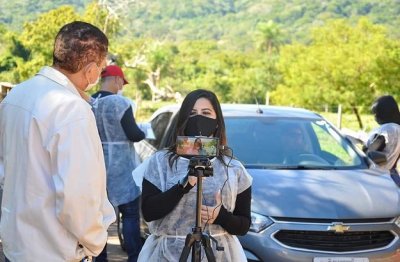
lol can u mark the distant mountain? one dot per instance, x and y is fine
(15, 12)
(230, 21)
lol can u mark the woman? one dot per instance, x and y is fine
(169, 195)
(196, 149)
(385, 138)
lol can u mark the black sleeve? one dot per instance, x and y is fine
(131, 129)
(157, 204)
(238, 222)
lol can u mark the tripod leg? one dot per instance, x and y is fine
(196, 252)
(205, 240)
(186, 249)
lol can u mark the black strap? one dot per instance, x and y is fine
(394, 174)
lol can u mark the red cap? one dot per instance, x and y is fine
(113, 70)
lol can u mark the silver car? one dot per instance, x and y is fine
(316, 197)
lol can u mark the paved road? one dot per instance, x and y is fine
(115, 253)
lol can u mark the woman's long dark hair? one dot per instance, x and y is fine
(184, 114)
(386, 110)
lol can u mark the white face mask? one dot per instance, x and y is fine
(90, 85)
(119, 92)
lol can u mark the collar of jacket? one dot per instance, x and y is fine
(58, 77)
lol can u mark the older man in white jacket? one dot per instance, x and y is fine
(55, 206)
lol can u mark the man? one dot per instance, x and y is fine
(118, 130)
(55, 206)
(293, 143)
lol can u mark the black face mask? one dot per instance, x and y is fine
(199, 125)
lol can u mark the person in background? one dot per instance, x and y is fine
(294, 145)
(55, 205)
(196, 148)
(118, 131)
(169, 196)
(386, 137)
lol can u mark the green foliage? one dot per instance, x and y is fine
(38, 36)
(17, 12)
(25, 53)
(269, 36)
(340, 66)
(241, 49)
(181, 67)
(35, 45)
(232, 22)
(101, 18)
(349, 121)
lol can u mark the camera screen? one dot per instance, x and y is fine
(197, 146)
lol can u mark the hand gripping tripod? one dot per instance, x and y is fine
(199, 167)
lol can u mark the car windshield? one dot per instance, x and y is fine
(295, 143)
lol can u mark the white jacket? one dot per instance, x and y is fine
(55, 206)
(391, 133)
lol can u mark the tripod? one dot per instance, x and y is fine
(200, 168)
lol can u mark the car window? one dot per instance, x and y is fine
(333, 146)
(253, 141)
(279, 143)
(159, 125)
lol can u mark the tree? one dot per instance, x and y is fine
(105, 17)
(270, 37)
(342, 65)
(33, 48)
(155, 60)
(38, 37)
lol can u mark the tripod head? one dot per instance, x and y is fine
(198, 163)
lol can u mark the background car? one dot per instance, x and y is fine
(316, 197)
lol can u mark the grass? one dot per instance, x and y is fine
(146, 108)
(349, 121)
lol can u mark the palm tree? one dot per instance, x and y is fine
(269, 36)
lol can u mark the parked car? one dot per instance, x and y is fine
(316, 196)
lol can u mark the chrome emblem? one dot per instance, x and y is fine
(338, 227)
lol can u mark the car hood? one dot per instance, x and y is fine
(331, 194)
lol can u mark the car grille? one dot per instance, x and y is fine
(322, 220)
(335, 242)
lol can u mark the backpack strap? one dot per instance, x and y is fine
(394, 174)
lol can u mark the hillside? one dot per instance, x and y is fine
(230, 21)
(236, 21)
(15, 13)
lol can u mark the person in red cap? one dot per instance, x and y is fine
(114, 70)
(118, 131)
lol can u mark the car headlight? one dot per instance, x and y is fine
(397, 221)
(259, 222)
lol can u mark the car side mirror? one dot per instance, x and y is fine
(378, 157)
